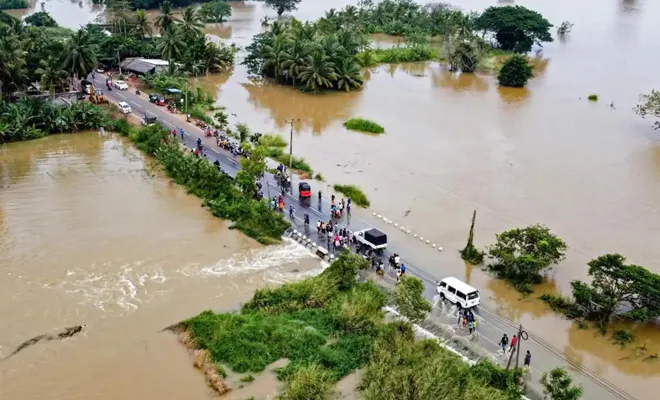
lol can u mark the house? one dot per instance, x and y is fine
(141, 66)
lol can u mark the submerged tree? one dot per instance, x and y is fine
(216, 11)
(521, 255)
(516, 28)
(558, 385)
(649, 104)
(470, 253)
(282, 6)
(515, 72)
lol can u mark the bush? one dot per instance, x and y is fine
(355, 193)
(311, 382)
(593, 97)
(40, 18)
(409, 299)
(622, 337)
(558, 385)
(247, 378)
(296, 163)
(272, 141)
(515, 72)
(197, 111)
(13, 4)
(404, 54)
(563, 305)
(318, 176)
(363, 125)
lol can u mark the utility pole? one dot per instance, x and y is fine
(119, 62)
(522, 335)
(291, 122)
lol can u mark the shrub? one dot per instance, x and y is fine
(272, 141)
(197, 111)
(318, 176)
(363, 125)
(355, 193)
(558, 385)
(311, 382)
(13, 4)
(622, 337)
(409, 299)
(402, 54)
(515, 72)
(296, 163)
(593, 97)
(247, 378)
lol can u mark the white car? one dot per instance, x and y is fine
(124, 107)
(121, 85)
(100, 70)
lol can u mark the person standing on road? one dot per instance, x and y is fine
(291, 211)
(181, 132)
(306, 219)
(320, 196)
(514, 340)
(503, 343)
(528, 360)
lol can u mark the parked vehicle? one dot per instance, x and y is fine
(121, 85)
(157, 99)
(304, 190)
(124, 107)
(100, 70)
(458, 292)
(149, 120)
(372, 238)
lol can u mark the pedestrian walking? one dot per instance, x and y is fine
(528, 360)
(514, 340)
(306, 219)
(320, 195)
(332, 199)
(348, 208)
(504, 342)
(470, 327)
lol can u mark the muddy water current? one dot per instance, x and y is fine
(455, 143)
(88, 235)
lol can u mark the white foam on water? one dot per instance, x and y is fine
(252, 261)
(104, 287)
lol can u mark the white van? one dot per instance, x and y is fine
(458, 292)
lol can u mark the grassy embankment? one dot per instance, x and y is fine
(201, 178)
(328, 326)
(355, 193)
(363, 125)
(276, 145)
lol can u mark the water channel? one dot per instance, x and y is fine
(455, 143)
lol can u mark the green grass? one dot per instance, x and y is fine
(218, 191)
(355, 193)
(318, 176)
(363, 125)
(296, 163)
(198, 111)
(593, 97)
(622, 337)
(404, 54)
(247, 378)
(272, 141)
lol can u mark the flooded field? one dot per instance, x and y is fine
(89, 237)
(455, 143)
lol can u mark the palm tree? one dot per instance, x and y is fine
(142, 26)
(348, 75)
(80, 55)
(319, 72)
(216, 57)
(166, 18)
(294, 59)
(274, 56)
(51, 74)
(191, 22)
(12, 65)
(171, 44)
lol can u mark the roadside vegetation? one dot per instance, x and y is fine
(363, 125)
(355, 193)
(330, 325)
(34, 118)
(223, 197)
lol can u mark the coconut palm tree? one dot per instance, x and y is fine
(80, 56)
(319, 72)
(294, 59)
(348, 75)
(51, 74)
(13, 73)
(191, 22)
(171, 44)
(166, 17)
(216, 57)
(273, 56)
(142, 26)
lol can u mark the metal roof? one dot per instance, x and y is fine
(142, 65)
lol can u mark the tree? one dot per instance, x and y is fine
(348, 75)
(51, 74)
(409, 299)
(649, 105)
(319, 72)
(191, 23)
(171, 44)
(515, 72)
(470, 253)
(142, 26)
(522, 254)
(465, 56)
(216, 11)
(40, 18)
(282, 6)
(516, 28)
(251, 170)
(618, 288)
(166, 17)
(558, 385)
(80, 58)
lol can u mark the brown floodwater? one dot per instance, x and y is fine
(457, 142)
(89, 235)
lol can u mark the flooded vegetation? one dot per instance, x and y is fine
(455, 142)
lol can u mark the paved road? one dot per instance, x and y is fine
(491, 326)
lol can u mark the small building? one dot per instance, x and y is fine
(141, 66)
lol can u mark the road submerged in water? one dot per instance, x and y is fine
(491, 326)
